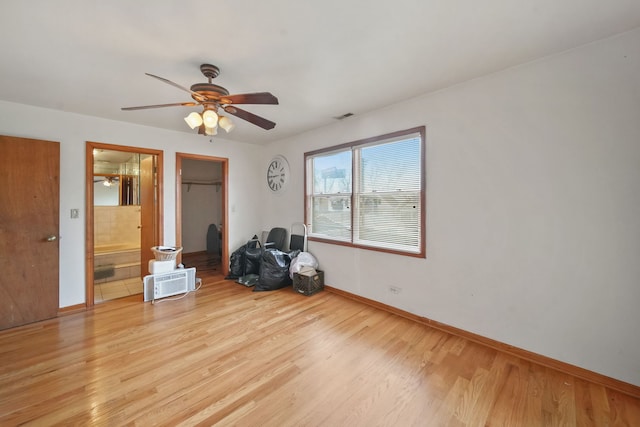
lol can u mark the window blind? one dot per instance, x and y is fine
(369, 193)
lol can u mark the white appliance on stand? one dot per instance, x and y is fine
(165, 279)
(161, 285)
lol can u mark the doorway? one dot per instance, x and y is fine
(123, 221)
(201, 212)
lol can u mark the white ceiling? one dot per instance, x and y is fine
(320, 58)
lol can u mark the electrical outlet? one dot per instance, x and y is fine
(75, 213)
(395, 290)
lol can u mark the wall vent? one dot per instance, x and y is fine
(344, 116)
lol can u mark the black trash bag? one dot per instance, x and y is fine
(236, 263)
(238, 259)
(274, 270)
(252, 258)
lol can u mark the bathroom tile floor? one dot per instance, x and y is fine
(117, 289)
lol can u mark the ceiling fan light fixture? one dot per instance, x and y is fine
(210, 119)
(210, 131)
(211, 97)
(193, 120)
(225, 123)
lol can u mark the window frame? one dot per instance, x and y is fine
(352, 146)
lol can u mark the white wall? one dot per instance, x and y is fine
(533, 207)
(72, 130)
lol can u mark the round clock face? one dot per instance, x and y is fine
(278, 174)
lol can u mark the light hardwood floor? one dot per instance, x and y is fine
(228, 356)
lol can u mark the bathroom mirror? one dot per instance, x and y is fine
(115, 190)
(116, 178)
(106, 190)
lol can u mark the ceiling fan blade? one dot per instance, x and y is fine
(250, 98)
(175, 104)
(250, 117)
(196, 95)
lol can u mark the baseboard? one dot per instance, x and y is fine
(576, 371)
(71, 309)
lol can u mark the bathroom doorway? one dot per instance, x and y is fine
(123, 219)
(201, 212)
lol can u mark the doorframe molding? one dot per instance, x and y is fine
(225, 202)
(89, 211)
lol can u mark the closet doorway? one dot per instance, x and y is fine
(201, 212)
(123, 220)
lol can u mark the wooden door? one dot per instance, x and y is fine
(148, 219)
(29, 226)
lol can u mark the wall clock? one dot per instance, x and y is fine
(278, 174)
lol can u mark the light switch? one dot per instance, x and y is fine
(75, 213)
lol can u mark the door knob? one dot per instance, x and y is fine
(52, 238)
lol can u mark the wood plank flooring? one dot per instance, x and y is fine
(228, 356)
(205, 263)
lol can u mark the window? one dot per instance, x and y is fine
(369, 193)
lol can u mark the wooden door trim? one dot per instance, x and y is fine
(89, 214)
(225, 201)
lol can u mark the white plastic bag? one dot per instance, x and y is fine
(304, 259)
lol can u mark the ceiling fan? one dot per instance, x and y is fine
(107, 181)
(213, 99)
